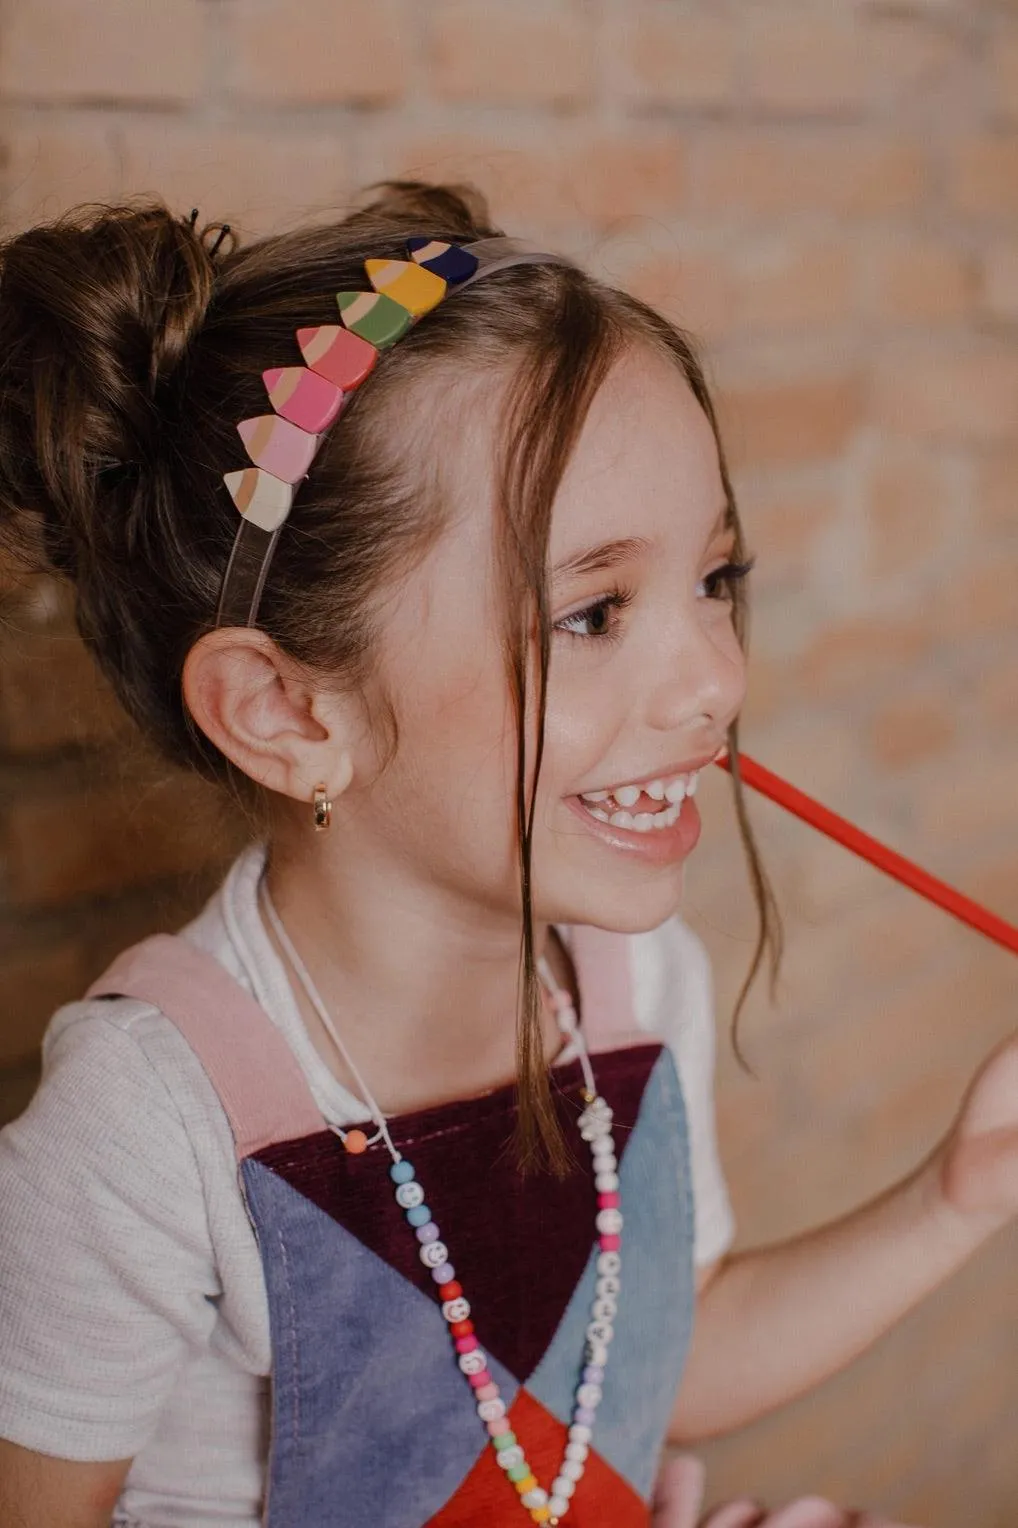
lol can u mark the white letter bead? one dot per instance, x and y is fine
(596, 1353)
(604, 1309)
(607, 1183)
(588, 1395)
(609, 1262)
(608, 1284)
(535, 1498)
(507, 1457)
(600, 1331)
(490, 1411)
(473, 1362)
(434, 1254)
(409, 1195)
(608, 1223)
(562, 1486)
(456, 1310)
(577, 1452)
(579, 1432)
(602, 1147)
(558, 1506)
(572, 1470)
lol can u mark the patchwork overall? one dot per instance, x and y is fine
(372, 1422)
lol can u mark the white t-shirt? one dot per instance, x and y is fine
(133, 1313)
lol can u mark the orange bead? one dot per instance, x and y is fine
(541, 1515)
(462, 1328)
(528, 1483)
(356, 1142)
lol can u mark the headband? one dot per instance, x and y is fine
(306, 400)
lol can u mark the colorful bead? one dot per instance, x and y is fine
(444, 1273)
(593, 1374)
(303, 397)
(498, 1427)
(374, 317)
(446, 260)
(261, 498)
(610, 1243)
(609, 1201)
(505, 1440)
(467, 1344)
(411, 285)
(486, 1393)
(525, 1483)
(355, 1142)
(341, 357)
(461, 1328)
(410, 1196)
(427, 1232)
(418, 1214)
(589, 1396)
(278, 446)
(541, 1514)
(518, 1472)
(451, 1291)
(480, 1381)
(401, 1172)
(585, 1415)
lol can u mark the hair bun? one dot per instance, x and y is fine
(97, 313)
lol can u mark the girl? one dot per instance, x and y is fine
(283, 1242)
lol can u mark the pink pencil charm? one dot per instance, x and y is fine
(337, 354)
(260, 497)
(279, 446)
(308, 400)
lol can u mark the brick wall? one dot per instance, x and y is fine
(828, 195)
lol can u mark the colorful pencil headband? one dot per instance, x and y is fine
(306, 400)
(919, 880)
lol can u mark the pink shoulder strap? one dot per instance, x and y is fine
(256, 1075)
(604, 977)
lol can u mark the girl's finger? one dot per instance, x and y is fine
(678, 1493)
(737, 1514)
(810, 1512)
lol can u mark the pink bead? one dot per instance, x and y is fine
(481, 1380)
(608, 1201)
(488, 1392)
(496, 1429)
(610, 1243)
(466, 1344)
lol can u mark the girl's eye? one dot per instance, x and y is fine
(599, 617)
(720, 584)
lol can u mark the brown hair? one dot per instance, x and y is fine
(129, 348)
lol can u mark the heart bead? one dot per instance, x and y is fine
(414, 288)
(446, 260)
(334, 353)
(309, 401)
(375, 317)
(280, 447)
(261, 498)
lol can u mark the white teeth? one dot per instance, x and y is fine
(596, 795)
(675, 790)
(644, 821)
(656, 790)
(595, 811)
(694, 781)
(621, 819)
(627, 795)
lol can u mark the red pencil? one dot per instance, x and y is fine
(796, 801)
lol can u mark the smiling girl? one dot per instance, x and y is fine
(387, 1189)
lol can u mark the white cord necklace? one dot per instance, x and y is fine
(595, 1124)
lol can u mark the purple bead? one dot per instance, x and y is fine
(444, 1273)
(593, 1374)
(428, 1232)
(585, 1416)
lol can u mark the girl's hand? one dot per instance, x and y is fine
(979, 1155)
(679, 1497)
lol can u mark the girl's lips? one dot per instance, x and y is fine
(659, 847)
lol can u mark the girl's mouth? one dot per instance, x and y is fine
(654, 829)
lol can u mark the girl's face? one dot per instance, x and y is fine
(646, 673)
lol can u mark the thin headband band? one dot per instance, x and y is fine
(306, 400)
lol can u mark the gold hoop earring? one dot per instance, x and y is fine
(323, 809)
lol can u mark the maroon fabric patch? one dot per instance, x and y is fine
(519, 1244)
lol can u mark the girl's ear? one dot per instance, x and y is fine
(263, 712)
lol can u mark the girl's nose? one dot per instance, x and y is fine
(700, 672)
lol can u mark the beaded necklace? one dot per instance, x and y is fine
(595, 1124)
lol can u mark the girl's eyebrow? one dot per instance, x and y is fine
(610, 554)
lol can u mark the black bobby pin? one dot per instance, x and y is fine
(193, 219)
(223, 233)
